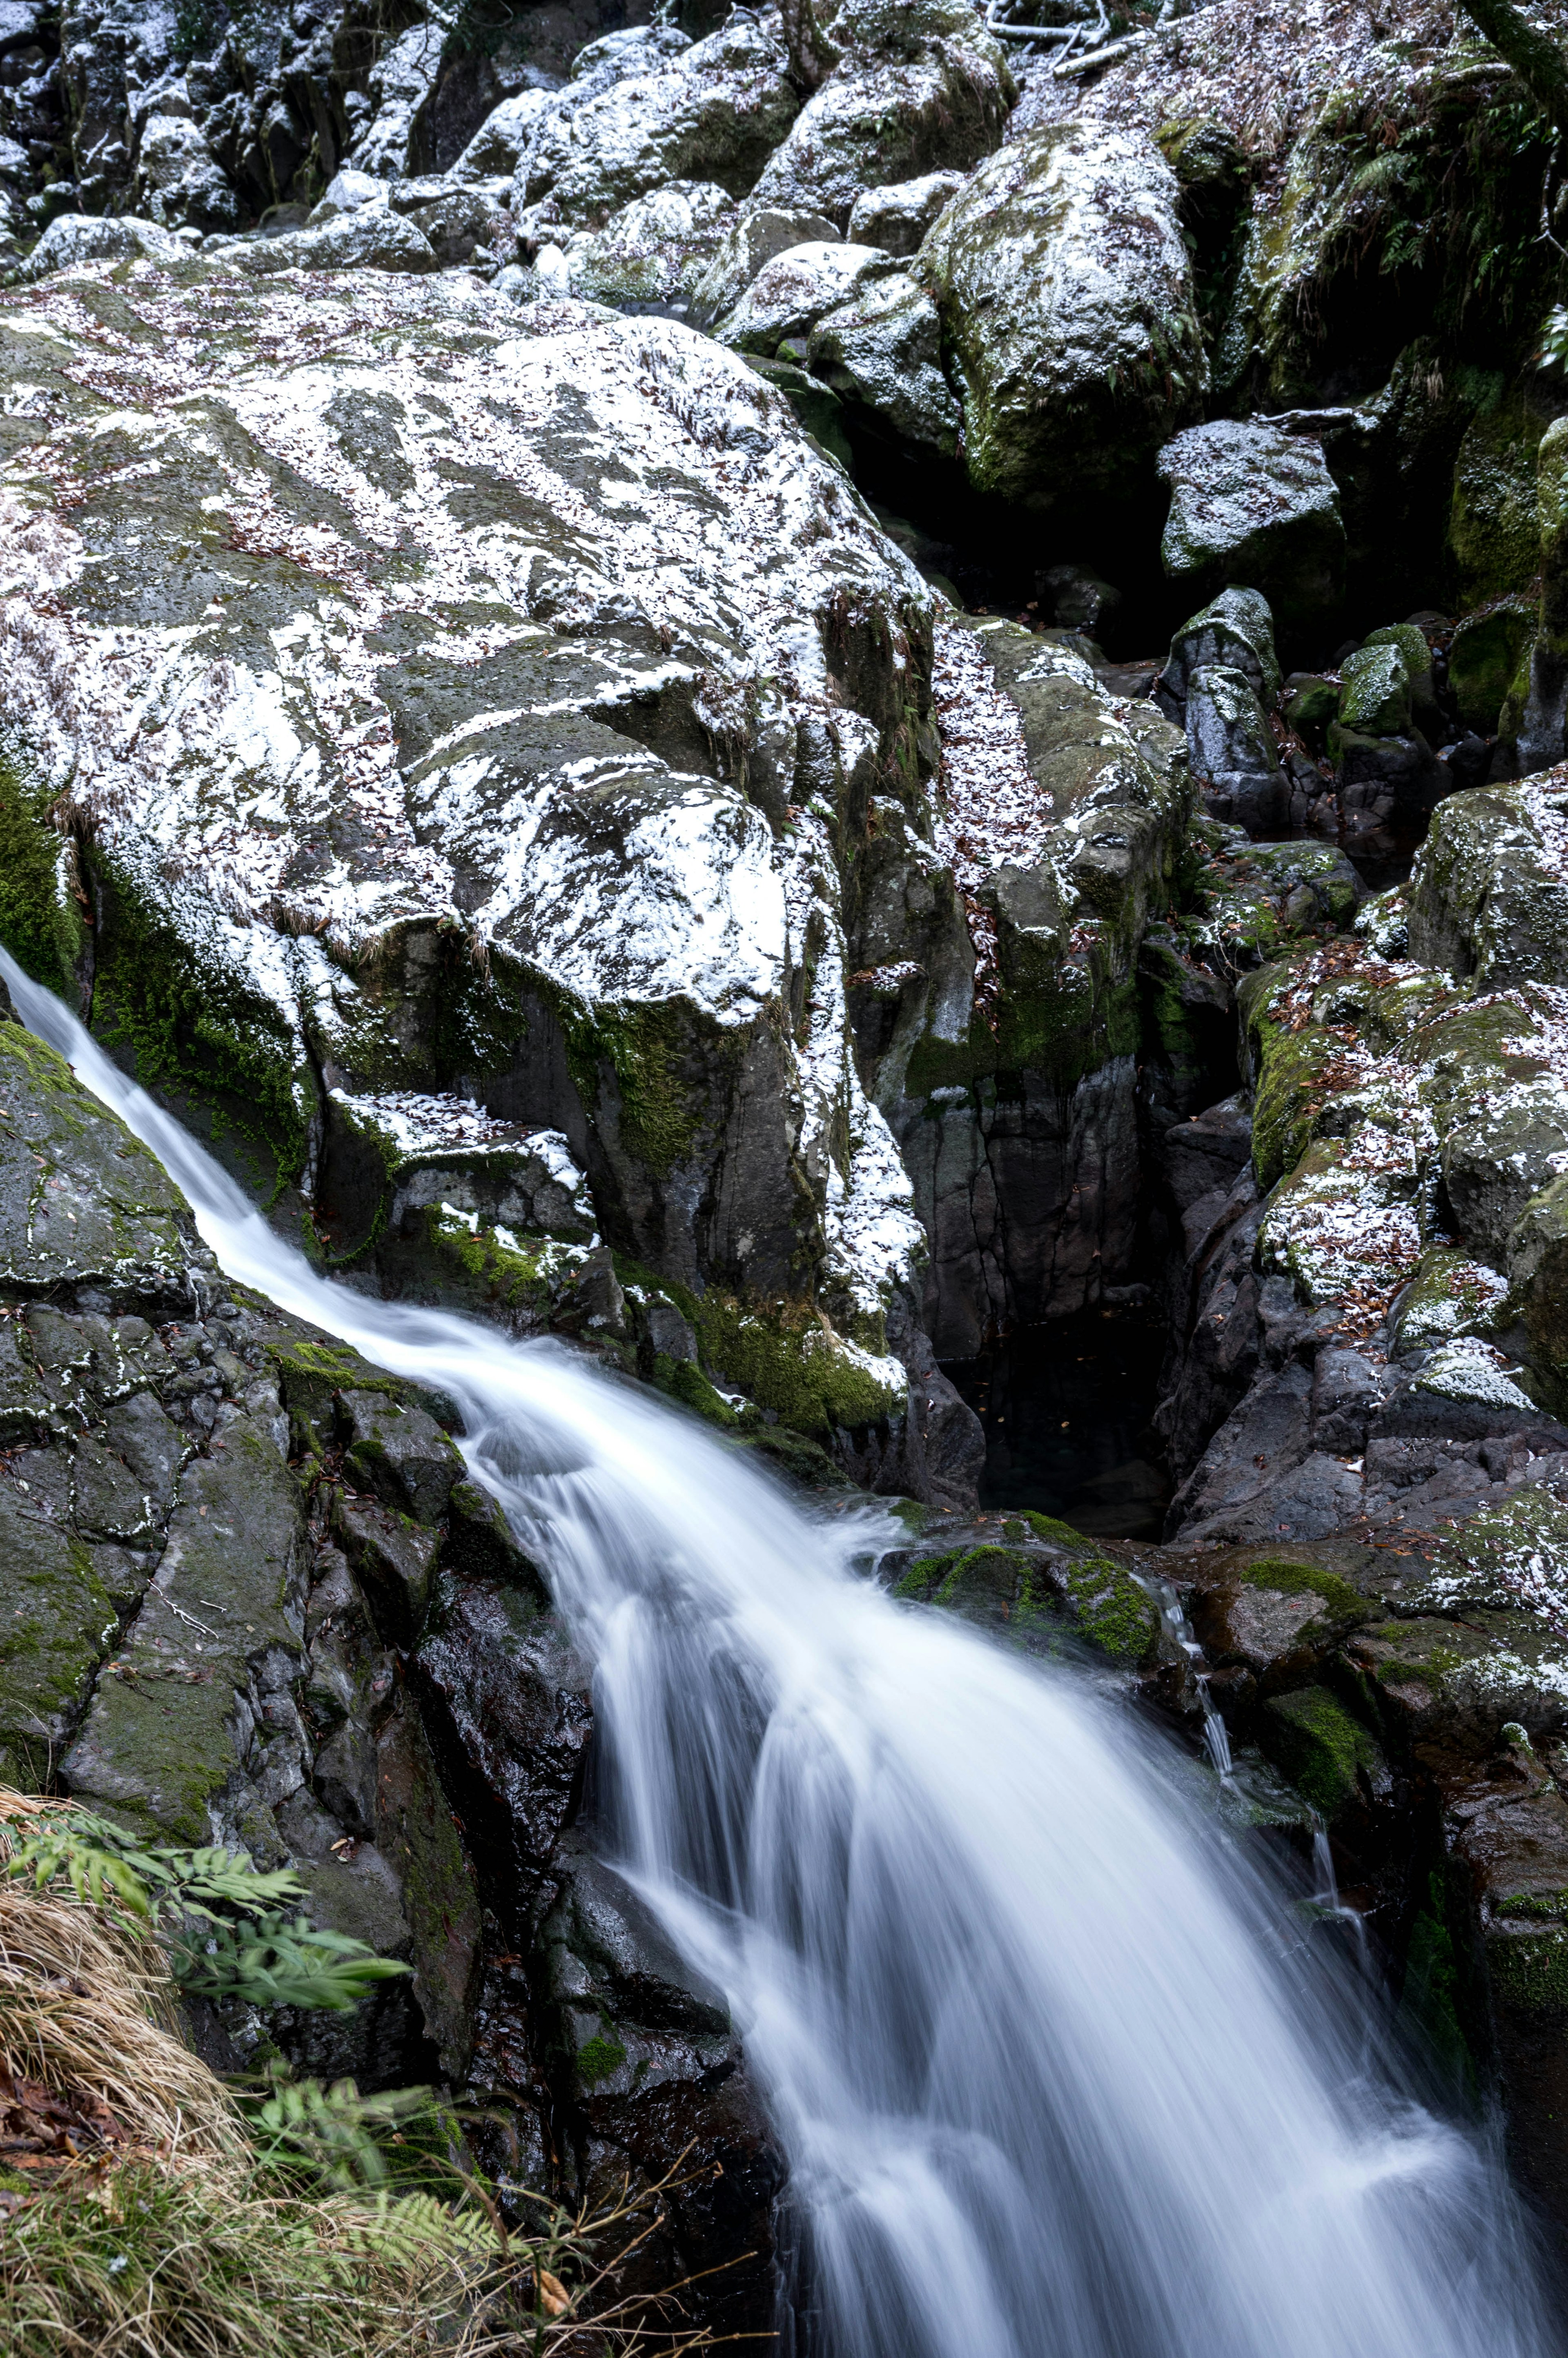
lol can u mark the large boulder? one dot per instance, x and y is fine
(573, 861)
(714, 109)
(1251, 503)
(1066, 298)
(917, 90)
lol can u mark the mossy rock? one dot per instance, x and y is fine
(1483, 657)
(1375, 694)
(1290, 1577)
(41, 921)
(1312, 1737)
(1493, 539)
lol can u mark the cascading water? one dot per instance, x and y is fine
(1056, 2076)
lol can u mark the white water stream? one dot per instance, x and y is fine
(1055, 2077)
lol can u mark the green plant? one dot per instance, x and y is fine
(228, 1925)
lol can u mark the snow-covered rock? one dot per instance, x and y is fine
(919, 89)
(74, 238)
(1252, 503)
(712, 110)
(653, 254)
(795, 289)
(898, 217)
(754, 236)
(1067, 294)
(372, 237)
(476, 705)
(883, 350)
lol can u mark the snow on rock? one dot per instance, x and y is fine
(432, 679)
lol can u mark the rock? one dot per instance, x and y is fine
(654, 254)
(1489, 891)
(1415, 650)
(1234, 757)
(882, 351)
(917, 90)
(752, 239)
(1484, 660)
(712, 111)
(71, 239)
(1327, 1756)
(1061, 813)
(400, 81)
(897, 217)
(601, 961)
(178, 178)
(1079, 599)
(1374, 692)
(1236, 630)
(1251, 503)
(504, 136)
(1311, 704)
(372, 237)
(1066, 296)
(789, 294)
(818, 410)
(1541, 726)
(346, 192)
(461, 226)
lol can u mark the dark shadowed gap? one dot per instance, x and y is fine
(1067, 1409)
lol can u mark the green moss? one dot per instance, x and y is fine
(195, 1023)
(1312, 1737)
(600, 2060)
(1112, 1610)
(682, 1381)
(1431, 1998)
(1293, 1085)
(643, 1049)
(784, 1356)
(40, 922)
(916, 1584)
(1291, 1579)
(1529, 1971)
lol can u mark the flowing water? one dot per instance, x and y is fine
(1056, 2076)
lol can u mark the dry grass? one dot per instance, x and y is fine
(137, 2219)
(86, 2006)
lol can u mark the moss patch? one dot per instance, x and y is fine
(1290, 1579)
(1312, 1737)
(40, 924)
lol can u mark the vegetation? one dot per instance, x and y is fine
(147, 2211)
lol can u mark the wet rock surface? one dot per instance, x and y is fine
(470, 746)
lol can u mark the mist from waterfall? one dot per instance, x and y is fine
(1058, 2073)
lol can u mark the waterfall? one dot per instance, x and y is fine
(1057, 2071)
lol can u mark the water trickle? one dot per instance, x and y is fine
(1052, 2080)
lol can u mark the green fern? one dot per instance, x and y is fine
(279, 1960)
(229, 1925)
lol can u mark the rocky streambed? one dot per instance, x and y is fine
(807, 700)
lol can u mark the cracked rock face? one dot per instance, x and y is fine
(477, 703)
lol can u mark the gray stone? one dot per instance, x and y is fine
(1234, 757)
(372, 237)
(753, 238)
(1251, 503)
(1236, 630)
(74, 238)
(897, 217)
(883, 351)
(655, 254)
(1066, 296)
(791, 293)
